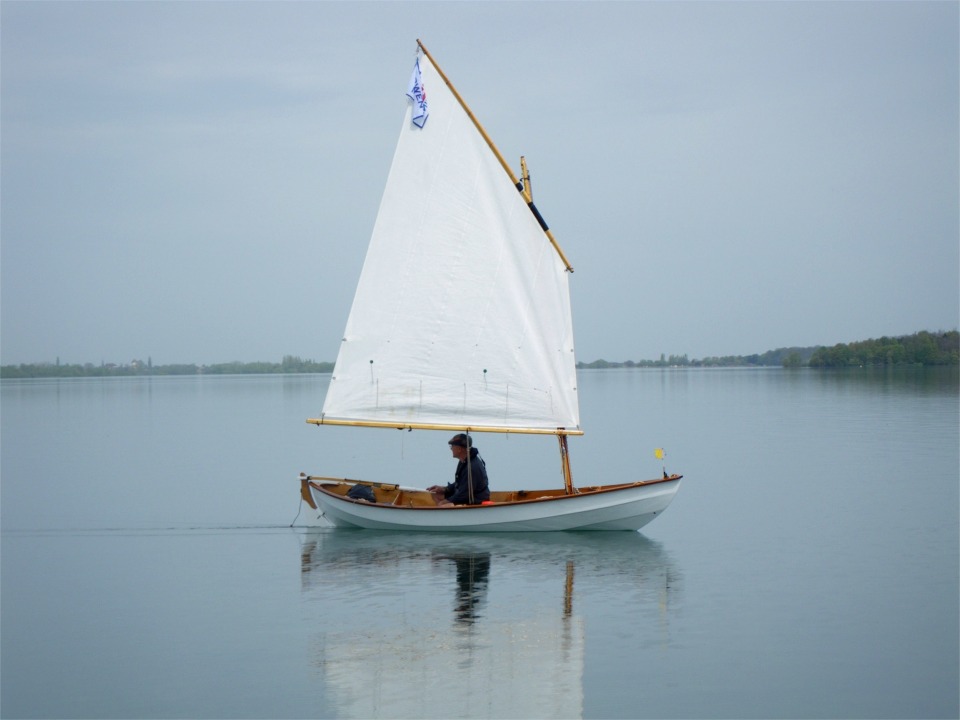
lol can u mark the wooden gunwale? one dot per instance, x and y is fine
(320, 483)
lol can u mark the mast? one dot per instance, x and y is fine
(503, 163)
(527, 189)
(569, 489)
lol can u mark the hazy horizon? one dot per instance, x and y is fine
(62, 361)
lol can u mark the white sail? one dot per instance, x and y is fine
(462, 313)
(527, 668)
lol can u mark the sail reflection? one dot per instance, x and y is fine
(437, 625)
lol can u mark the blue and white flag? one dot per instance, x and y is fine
(419, 97)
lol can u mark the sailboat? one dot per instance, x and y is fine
(461, 322)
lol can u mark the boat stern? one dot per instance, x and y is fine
(305, 493)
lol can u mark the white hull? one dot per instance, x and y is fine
(627, 507)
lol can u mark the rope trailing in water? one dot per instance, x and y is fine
(299, 508)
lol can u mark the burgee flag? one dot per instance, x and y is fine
(419, 97)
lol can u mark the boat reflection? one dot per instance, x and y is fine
(437, 625)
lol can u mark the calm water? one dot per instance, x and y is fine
(807, 568)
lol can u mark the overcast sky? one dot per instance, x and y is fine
(197, 182)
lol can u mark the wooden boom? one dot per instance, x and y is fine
(440, 426)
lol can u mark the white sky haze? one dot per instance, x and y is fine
(197, 182)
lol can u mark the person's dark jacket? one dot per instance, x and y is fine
(458, 492)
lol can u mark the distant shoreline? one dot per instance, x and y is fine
(920, 349)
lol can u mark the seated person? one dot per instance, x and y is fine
(471, 470)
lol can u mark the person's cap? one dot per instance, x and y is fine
(461, 440)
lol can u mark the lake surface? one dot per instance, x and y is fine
(808, 566)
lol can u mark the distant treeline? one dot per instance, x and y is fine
(922, 348)
(289, 364)
(782, 357)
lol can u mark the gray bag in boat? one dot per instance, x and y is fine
(361, 492)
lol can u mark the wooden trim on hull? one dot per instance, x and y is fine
(515, 497)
